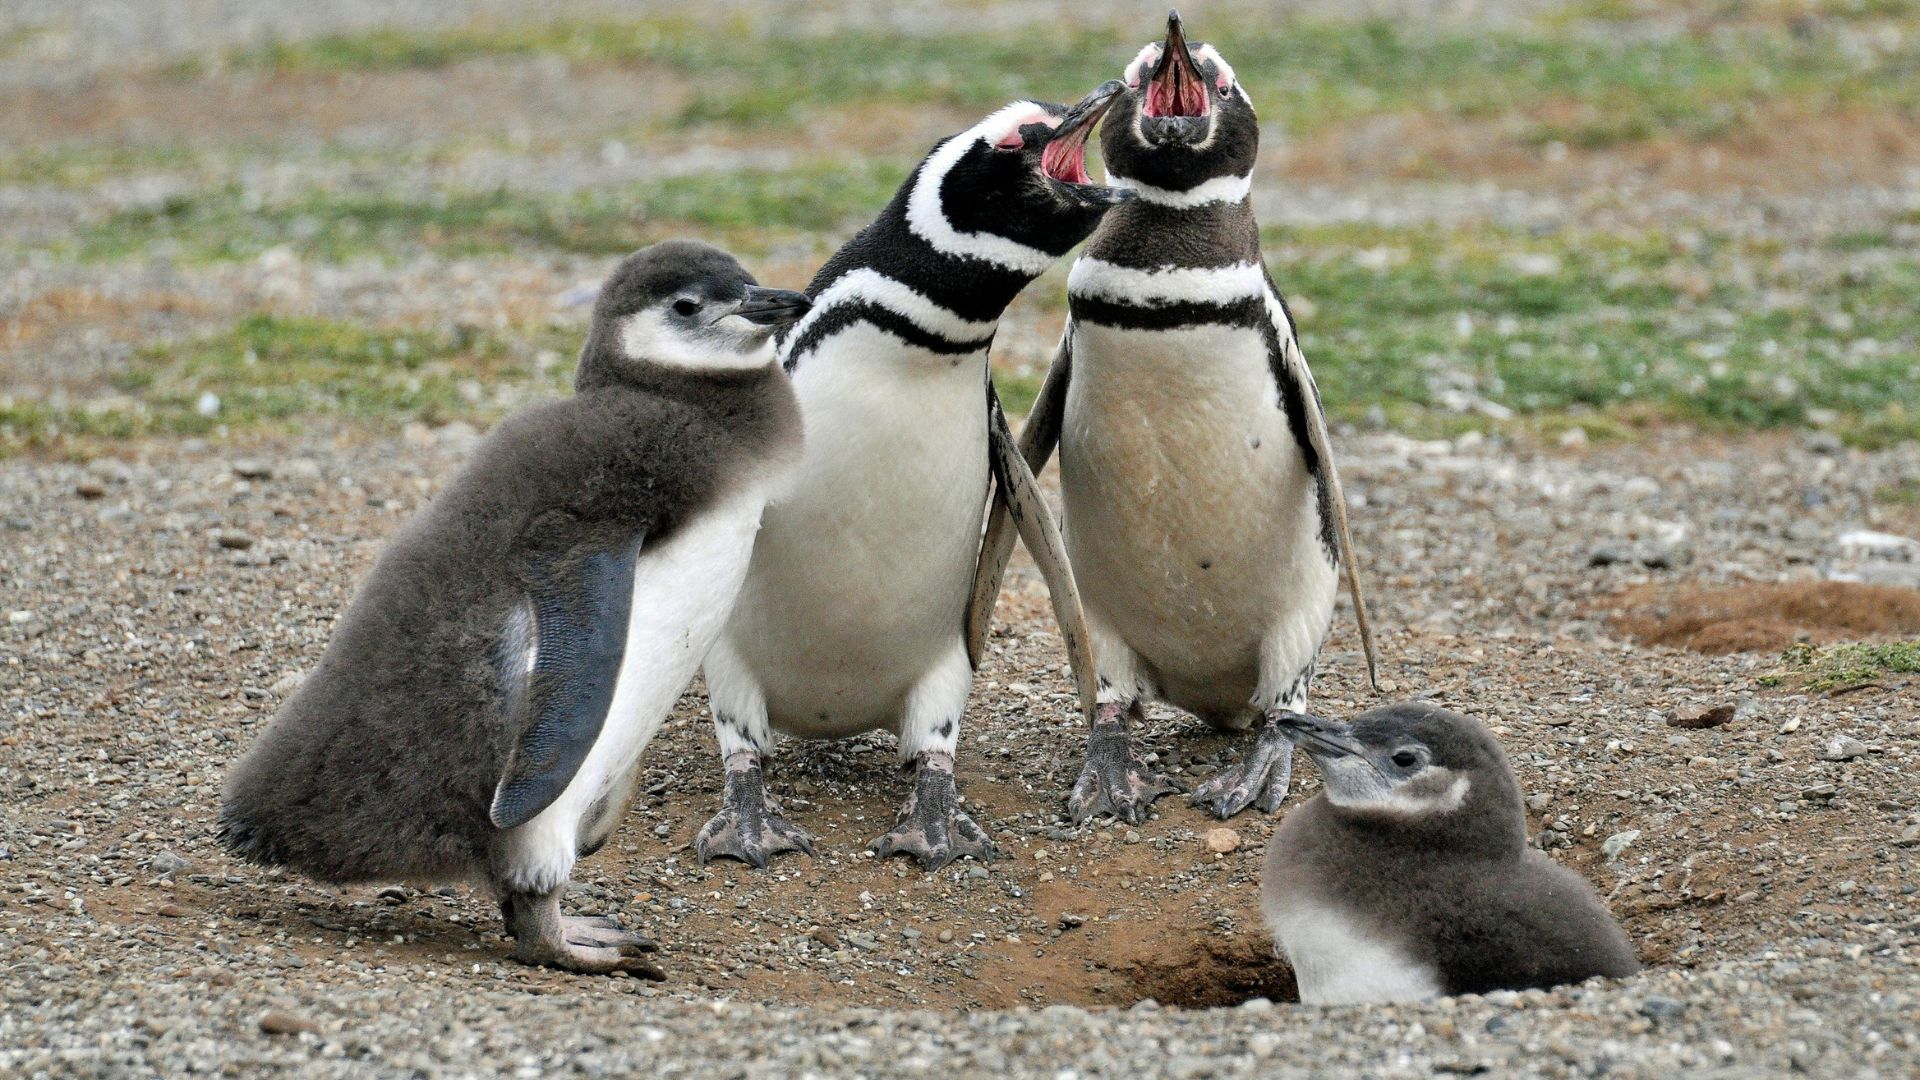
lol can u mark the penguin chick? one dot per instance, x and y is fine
(480, 711)
(1410, 877)
(854, 614)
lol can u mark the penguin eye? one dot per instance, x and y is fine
(1013, 140)
(686, 306)
(1405, 759)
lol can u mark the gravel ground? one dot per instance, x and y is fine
(159, 604)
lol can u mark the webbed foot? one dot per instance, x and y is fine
(932, 828)
(1115, 779)
(1261, 779)
(749, 826)
(588, 944)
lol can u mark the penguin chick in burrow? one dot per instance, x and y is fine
(854, 614)
(480, 711)
(1409, 875)
(1203, 515)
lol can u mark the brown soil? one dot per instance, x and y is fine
(1786, 150)
(1764, 618)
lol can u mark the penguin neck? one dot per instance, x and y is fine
(975, 289)
(891, 277)
(598, 373)
(1145, 234)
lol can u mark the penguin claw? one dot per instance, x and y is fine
(598, 931)
(753, 839)
(586, 944)
(1115, 779)
(932, 828)
(749, 827)
(1262, 779)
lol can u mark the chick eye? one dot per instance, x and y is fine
(1405, 759)
(685, 306)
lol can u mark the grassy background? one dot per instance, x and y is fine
(1440, 328)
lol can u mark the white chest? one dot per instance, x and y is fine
(1337, 962)
(896, 438)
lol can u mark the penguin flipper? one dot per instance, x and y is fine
(1038, 437)
(1290, 368)
(582, 599)
(1027, 508)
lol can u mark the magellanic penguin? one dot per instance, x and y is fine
(853, 616)
(480, 711)
(1203, 515)
(1409, 876)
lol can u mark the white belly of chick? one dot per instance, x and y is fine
(682, 591)
(861, 573)
(1338, 962)
(1191, 519)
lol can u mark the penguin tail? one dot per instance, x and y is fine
(245, 838)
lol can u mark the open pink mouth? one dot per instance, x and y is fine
(1177, 90)
(1065, 158)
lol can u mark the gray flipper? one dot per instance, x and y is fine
(1038, 438)
(581, 603)
(1291, 364)
(1028, 510)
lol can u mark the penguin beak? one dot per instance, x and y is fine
(1319, 737)
(1176, 87)
(772, 307)
(1064, 159)
(1176, 104)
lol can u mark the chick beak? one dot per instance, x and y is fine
(1320, 737)
(772, 307)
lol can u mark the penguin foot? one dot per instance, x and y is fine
(588, 944)
(1115, 780)
(749, 826)
(1261, 779)
(932, 828)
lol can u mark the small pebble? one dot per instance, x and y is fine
(1222, 841)
(278, 1022)
(1844, 748)
(233, 539)
(1662, 1009)
(1616, 845)
(166, 862)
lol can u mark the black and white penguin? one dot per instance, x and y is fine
(854, 614)
(480, 711)
(1410, 877)
(1203, 514)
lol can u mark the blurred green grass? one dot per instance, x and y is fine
(280, 372)
(1579, 84)
(1443, 329)
(749, 209)
(1840, 667)
(1733, 334)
